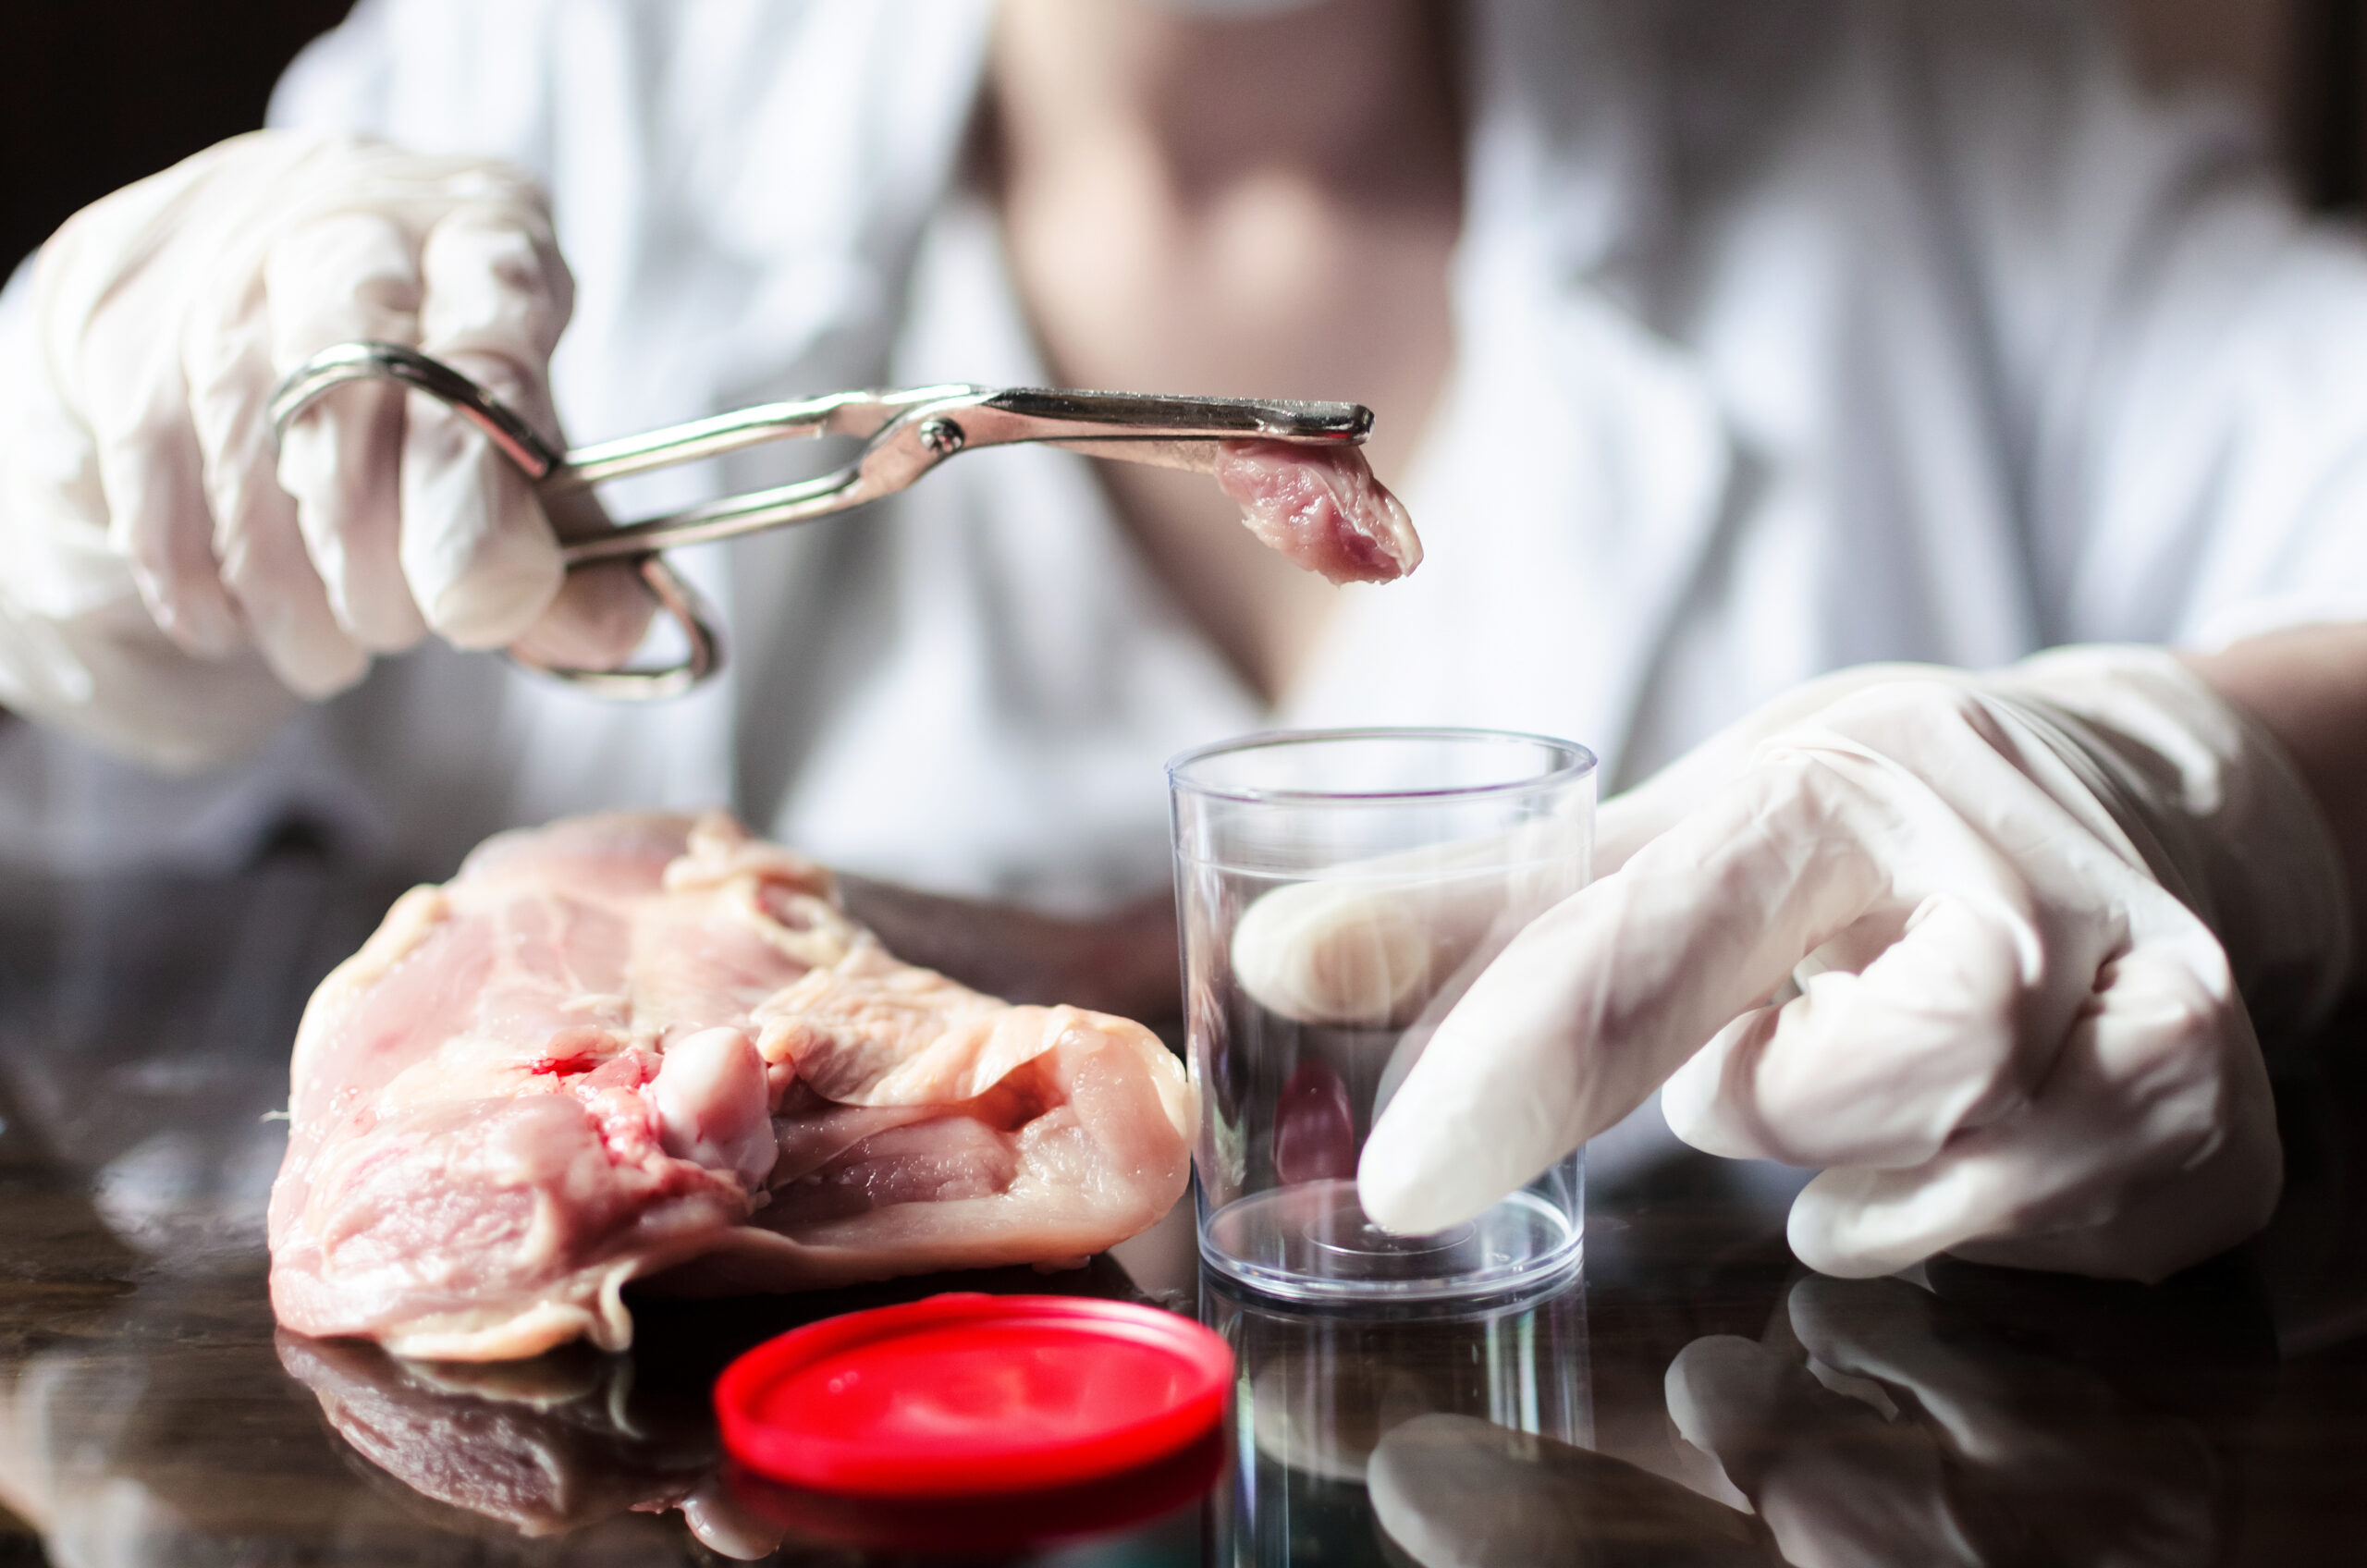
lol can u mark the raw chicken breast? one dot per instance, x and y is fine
(1322, 507)
(632, 1045)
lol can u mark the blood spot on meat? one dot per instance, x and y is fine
(572, 1052)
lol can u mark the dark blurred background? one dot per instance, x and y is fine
(95, 94)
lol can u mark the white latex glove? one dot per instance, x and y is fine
(2015, 1035)
(175, 580)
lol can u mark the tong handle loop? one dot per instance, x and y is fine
(333, 367)
(682, 603)
(536, 457)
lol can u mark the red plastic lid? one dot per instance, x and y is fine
(970, 1395)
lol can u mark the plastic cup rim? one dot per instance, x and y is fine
(1576, 761)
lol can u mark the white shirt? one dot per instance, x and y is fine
(1791, 334)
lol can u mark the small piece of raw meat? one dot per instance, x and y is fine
(632, 1045)
(1322, 507)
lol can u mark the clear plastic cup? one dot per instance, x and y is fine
(1338, 890)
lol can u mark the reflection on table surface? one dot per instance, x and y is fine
(1694, 1397)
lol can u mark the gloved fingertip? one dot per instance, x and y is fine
(1688, 1101)
(1321, 953)
(315, 666)
(199, 618)
(599, 620)
(1711, 1101)
(1834, 1229)
(338, 462)
(159, 525)
(1407, 1182)
(506, 590)
(380, 623)
(479, 555)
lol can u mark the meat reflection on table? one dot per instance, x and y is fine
(545, 1446)
(553, 1444)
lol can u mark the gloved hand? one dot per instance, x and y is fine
(2018, 909)
(175, 580)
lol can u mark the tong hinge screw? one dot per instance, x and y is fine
(941, 436)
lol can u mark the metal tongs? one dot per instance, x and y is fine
(906, 432)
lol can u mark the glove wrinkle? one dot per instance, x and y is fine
(2220, 815)
(161, 532)
(340, 275)
(146, 453)
(481, 564)
(481, 561)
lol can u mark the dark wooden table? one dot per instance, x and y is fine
(1696, 1397)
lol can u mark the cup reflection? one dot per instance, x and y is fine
(1323, 1396)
